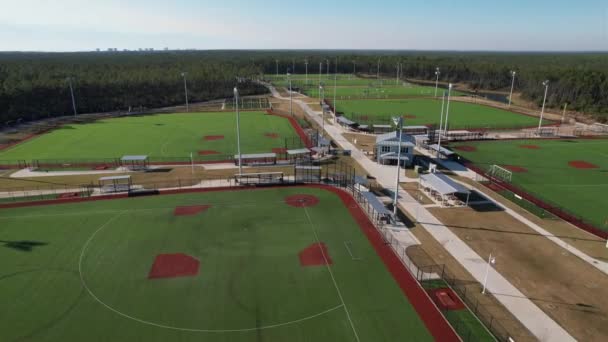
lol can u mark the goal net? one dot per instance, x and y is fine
(501, 173)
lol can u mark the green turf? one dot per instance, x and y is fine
(161, 135)
(428, 111)
(374, 91)
(549, 176)
(249, 277)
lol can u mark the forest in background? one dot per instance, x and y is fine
(34, 85)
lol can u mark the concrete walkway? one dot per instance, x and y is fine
(532, 317)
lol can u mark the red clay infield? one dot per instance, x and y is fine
(530, 147)
(301, 201)
(315, 255)
(271, 135)
(69, 195)
(581, 164)
(446, 299)
(409, 116)
(279, 150)
(173, 266)
(466, 148)
(213, 137)
(515, 168)
(207, 152)
(190, 210)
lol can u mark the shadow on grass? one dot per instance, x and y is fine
(23, 245)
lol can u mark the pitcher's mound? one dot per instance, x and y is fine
(581, 164)
(271, 135)
(189, 210)
(213, 137)
(207, 152)
(466, 148)
(315, 255)
(515, 168)
(301, 201)
(173, 266)
(530, 147)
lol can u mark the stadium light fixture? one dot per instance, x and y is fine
(513, 73)
(398, 121)
(186, 90)
(238, 130)
(69, 79)
(491, 263)
(542, 112)
(437, 73)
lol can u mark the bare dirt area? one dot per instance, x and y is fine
(412, 189)
(572, 292)
(580, 239)
(365, 142)
(431, 252)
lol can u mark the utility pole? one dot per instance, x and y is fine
(512, 86)
(398, 121)
(564, 113)
(440, 124)
(322, 116)
(73, 98)
(378, 70)
(542, 112)
(306, 66)
(186, 90)
(238, 130)
(277, 62)
(335, 85)
(436, 79)
(327, 69)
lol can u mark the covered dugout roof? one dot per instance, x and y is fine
(134, 158)
(375, 203)
(443, 184)
(114, 178)
(298, 151)
(442, 150)
(256, 156)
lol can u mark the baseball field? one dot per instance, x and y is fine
(264, 265)
(428, 111)
(161, 135)
(569, 173)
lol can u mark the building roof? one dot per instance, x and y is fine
(441, 149)
(256, 156)
(134, 158)
(345, 121)
(396, 143)
(113, 178)
(375, 203)
(393, 136)
(415, 127)
(443, 184)
(382, 126)
(298, 151)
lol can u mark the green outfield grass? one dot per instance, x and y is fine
(427, 111)
(549, 175)
(161, 135)
(79, 272)
(389, 90)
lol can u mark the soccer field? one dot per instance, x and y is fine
(160, 135)
(570, 173)
(428, 112)
(250, 265)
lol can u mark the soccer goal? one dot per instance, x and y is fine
(500, 173)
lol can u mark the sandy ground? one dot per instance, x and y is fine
(569, 290)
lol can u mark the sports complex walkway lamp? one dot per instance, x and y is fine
(542, 112)
(398, 121)
(186, 90)
(513, 73)
(436, 79)
(72, 92)
(238, 129)
(491, 262)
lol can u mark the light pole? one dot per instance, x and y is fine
(322, 116)
(290, 103)
(542, 112)
(277, 62)
(335, 85)
(436, 79)
(186, 90)
(72, 92)
(320, 71)
(397, 77)
(491, 261)
(378, 70)
(440, 124)
(327, 68)
(306, 67)
(238, 130)
(398, 121)
(447, 108)
(354, 68)
(564, 113)
(293, 65)
(512, 85)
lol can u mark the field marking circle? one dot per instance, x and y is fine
(120, 313)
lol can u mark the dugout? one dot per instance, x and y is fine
(256, 159)
(115, 184)
(260, 178)
(379, 129)
(297, 155)
(443, 189)
(134, 162)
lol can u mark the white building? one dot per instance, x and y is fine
(387, 149)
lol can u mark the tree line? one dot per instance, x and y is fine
(35, 85)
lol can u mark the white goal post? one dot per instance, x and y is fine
(500, 172)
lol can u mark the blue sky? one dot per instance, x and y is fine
(73, 25)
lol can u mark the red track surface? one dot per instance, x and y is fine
(422, 303)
